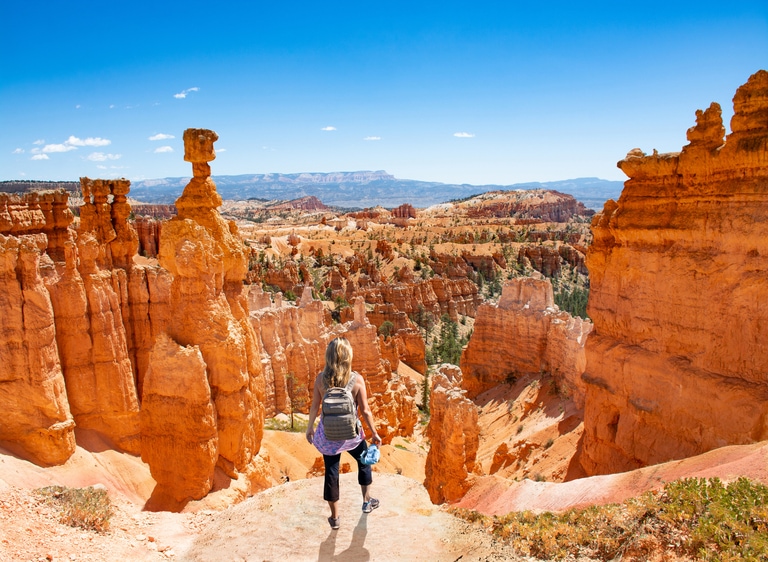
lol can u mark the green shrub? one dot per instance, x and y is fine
(694, 518)
(86, 508)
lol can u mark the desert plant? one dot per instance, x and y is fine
(692, 519)
(425, 393)
(86, 508)
(386, 329)
(297, 395)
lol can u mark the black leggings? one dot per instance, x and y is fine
(364, 474)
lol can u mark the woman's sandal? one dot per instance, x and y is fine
(334, 522)
(370, 505)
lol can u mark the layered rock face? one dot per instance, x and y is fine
(43, 212)
(89, 282)
(525, 333)
(89, 292)
(36, 414)
(291, 342)
(677, 360)
(454, 434)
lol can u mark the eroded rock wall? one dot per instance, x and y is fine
(525, 333)
(36, 414)
(179, 437)
(677, 361)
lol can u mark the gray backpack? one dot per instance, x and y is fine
(340, 412)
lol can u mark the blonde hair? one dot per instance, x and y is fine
(338, 363)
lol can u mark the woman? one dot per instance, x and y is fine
(337, 373)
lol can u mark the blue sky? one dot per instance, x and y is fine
(460, 92)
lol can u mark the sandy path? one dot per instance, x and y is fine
(289, 523)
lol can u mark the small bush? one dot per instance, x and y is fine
(694, 518)
(86, 508)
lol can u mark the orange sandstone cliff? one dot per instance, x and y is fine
(36, 414)
(677, 362)
(525, 333)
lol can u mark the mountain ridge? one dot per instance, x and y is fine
(365, 189)
(356, 189)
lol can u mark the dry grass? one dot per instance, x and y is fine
(691, 519)
(86, 508)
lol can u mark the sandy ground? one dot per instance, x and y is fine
(289, 523)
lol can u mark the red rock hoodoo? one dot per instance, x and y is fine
(677, 362)
(210, 312)
(455, 436)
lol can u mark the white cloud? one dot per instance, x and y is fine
(183, 94)
(161, 149)
(18, 151)
(90, 141)
(220, 150)
(58, 148)
(101, 167)
(372, 138)
(161, 136)
(40, 157)
(39, 141)
(328, 128)
(463, 135)
(101, 157)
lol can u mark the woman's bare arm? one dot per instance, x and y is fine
(364, 409)
(316, 399)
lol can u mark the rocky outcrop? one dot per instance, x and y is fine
(544, 205)
(454, 436)
(392, 401)
(545, 259)
(525, 334)
(291, 342)
(89, 293)
(108, 220)
(90, 285)
(404, 211)
(36, 416)
(677, 360)
(43, 212)
(179, 436)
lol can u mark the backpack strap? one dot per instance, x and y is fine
(351, 383)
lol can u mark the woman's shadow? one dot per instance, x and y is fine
(354, 552)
